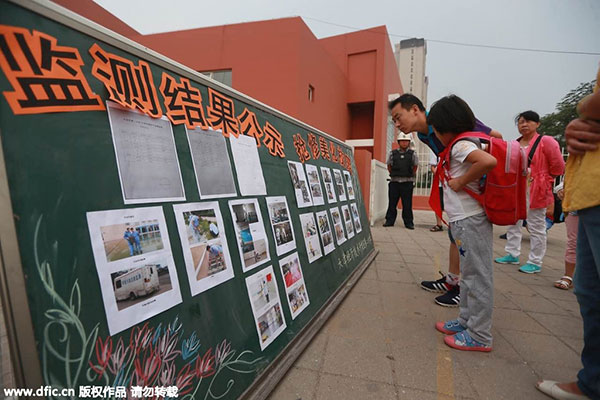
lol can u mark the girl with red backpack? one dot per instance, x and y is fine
(469, 225)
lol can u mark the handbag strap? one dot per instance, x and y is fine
(532, 151)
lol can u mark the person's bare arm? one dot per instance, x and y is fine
(482, 163)
(496, 134)
(582, 135)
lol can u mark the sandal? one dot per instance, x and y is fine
(564, 283)
(436, 228)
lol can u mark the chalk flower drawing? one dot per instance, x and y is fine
(154, 356)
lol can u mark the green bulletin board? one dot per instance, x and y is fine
(59, 164)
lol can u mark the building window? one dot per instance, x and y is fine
(311, 93)
(223, 76)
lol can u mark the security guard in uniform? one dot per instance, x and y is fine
(402, 164)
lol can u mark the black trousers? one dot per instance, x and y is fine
(397, 191)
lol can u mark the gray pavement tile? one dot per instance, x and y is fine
(536, 303)
(430, 368)
(391, 265)
(392, 257)
(513, 287)
(370, 273)
(312, 357)
(358, 358)
(534, 347)
(575, 343)
(298, 384)
(500, 379)
(502, 348)
(337, 387)
(415, 366)
(562, 325)
(544, 278)
(416, 259)
(387, 248)
(357, 301)
(501, 301)
(367, 286)
(396, 276)
(550, 292)
(571, 307)
(554, 372)
(405, 393)
(518, 321)
(410, 249)
(357, 324)
(417, 333)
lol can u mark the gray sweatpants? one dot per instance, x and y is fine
(473, 236)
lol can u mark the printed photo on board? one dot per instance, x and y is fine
(297, 299)
(281, 224)
(135, 266)
(349, 185)
(131, 239)
(328, 182)
(325, 231)
(356, 217)
(138, 284)
(290, 269)
(301, 187)
(340, 237)
(270, 325)
(294, 284)
(250, 233)
(339, 184)
(204, 244)
(315, 184)
(347, 221)
(266, 305)
(311, 237)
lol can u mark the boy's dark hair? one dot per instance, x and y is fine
(528, 116)
(451, 114)
(406, 101)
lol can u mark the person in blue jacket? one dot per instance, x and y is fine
(136, 237)
(130, 241)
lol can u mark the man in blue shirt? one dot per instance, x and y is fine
(409, 115)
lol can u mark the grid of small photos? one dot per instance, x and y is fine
(132, 250)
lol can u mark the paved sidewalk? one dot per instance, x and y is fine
(381, 343)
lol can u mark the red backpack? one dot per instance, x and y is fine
(504, 191)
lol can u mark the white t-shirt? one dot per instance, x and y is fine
(460, 205)
(433, 161)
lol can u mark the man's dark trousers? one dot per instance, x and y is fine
(397, 191)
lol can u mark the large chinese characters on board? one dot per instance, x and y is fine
(204, 230)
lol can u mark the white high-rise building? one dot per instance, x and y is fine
(411, 55)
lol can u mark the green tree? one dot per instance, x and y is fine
(554, 124)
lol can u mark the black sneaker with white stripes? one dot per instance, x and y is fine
(449, 299)
(439, 286)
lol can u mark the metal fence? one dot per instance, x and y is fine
(424, 176)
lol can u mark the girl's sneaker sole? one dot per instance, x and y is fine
(449, 340)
